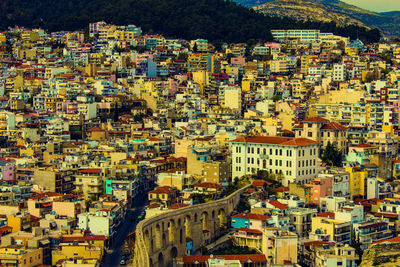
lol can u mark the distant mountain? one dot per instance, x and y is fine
(252, 3)
(390, 13)
(342, 14)
(215, 20)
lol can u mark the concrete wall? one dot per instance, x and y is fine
(160, 239)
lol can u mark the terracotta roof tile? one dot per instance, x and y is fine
(316, 119)
(251, 216)
(276, 140)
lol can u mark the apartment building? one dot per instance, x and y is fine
(294, 159)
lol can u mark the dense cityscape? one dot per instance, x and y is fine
(123, 147)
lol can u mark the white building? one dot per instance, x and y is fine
(231, 97)
(339, 72)
(295, 159)
(306, 36)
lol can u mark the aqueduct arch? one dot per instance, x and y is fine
(161, 238)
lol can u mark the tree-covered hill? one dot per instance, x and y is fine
(189, 19)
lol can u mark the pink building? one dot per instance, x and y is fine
(321, 187)
(7, 170)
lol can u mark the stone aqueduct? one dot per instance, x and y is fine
(161, 238)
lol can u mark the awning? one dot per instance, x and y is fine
(26, 226)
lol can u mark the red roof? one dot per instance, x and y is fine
(333, 126)
(282, 189)
(364, 145)
(163, 190)
(316, 119)
(241, 258)
(276, 140)
(251, 216)
(326, 214)
(90, 170)
(372, 225)
(259, 183)
(278, 204)
(250, 231)
(390, 240)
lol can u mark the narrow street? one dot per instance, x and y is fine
(113, 259)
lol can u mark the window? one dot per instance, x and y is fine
(258, 150)
(309, 134)
(248, 150)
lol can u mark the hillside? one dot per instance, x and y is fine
(189, 19)
(336, 11)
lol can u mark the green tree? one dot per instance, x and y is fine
(331, 155)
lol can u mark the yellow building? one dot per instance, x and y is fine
(13, 84)
(279, 246)
(164, 194)
(17, 255)
(337, 230)
(79, 247)
(302, 191)
(22, 222)
(357, 177)
(89, 182)
(198, 62)
(29, 36)
(351, 51)
(251, 238)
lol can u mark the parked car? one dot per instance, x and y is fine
(123, 260)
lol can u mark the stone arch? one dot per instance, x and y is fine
(180, 236)
(213, 214)
(158, 236)
(195, 217)
(171, 230)
(204, 220)
(164, 240)
(188, 226)
(151, 245)
(160, 260)
(221, 217)
(173, 252)
(151, 261)
(179, 222)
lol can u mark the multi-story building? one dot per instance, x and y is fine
(279, 246)
(89, 182)
(295, 159)
(323, 131)
(338, 231)
(387, 143)
(368, 232)
(301, 219)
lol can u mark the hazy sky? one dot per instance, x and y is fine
(376, 5)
